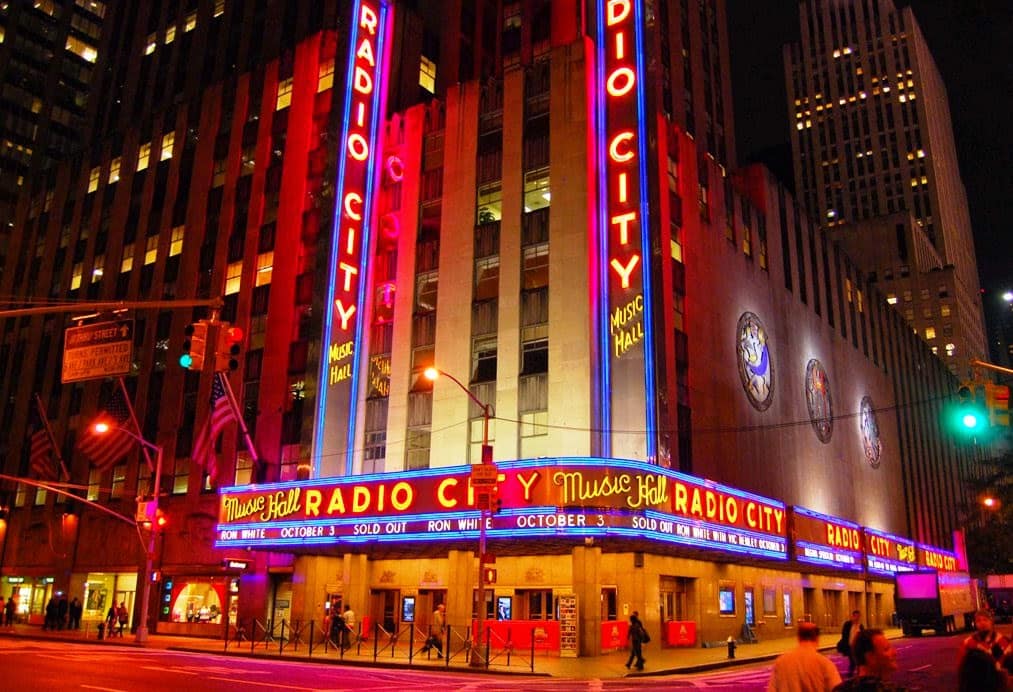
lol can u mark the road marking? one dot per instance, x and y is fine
(105, 689)
(283, 686)
(169, 669)
(925, 667)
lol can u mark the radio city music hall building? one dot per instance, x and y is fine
(700, 409)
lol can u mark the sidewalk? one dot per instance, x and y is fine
(660, 661)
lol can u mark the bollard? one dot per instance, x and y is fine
(101, 630)
(731, 646)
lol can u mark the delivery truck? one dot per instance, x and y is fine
(940, 601)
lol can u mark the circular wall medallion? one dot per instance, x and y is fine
(871, 443)
(819, 401)
(755, 366)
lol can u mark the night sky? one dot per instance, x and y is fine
(971, 43)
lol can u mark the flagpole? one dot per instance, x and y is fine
(52, 439)
(239, 418)
(133, 419)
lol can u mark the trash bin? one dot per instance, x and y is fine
(101, 630)
(731, 647)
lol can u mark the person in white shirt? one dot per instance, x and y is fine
(804, 668)
(348, 633)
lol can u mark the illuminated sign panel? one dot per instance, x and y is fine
(352, 236)
(934, 558)
(625, 326)
(888, 554)
(821, 539)
(561, 497)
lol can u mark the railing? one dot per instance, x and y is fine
(407, 643)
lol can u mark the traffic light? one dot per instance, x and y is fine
(997, 403)
(970, 415)
(230, 343)
(195, 345)
(161, 521)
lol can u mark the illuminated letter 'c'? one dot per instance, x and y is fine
(350, 198)
(441, 493)
(358, 147)
(628, 77)
(395, 169)
(617, 11)
(390, 225)
(614, 152)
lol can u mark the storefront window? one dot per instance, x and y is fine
(197, 600)
(103, 589)
(726, 600)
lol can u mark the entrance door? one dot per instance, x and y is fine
(383, 608)
(832, 609)
(808, 604)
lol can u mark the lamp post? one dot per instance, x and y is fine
(142, 628)
(432, 374)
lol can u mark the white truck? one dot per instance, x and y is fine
(940, 601)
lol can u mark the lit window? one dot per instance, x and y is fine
(284, 94)
(427, 75)
(325, 76)
(127, 263)
(119, 481)
(233, 274)
(114, 170)
(219, 8)
(75, 276)
(81, 49)
(94, 483)
(859, 301)
(847, 290)
(930, 333)
(150, 44)
(950, 349)
(944, 309)
(142, 156)
(93, 179)
(676, 249)
(176, 244)
(265, 263)
(891, 298)
(190, 22)
(151, 250)
(98, 268)
(907, 296)
(170, 34)
(168, 139)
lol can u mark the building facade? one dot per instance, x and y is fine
(871, 136)
(698, 406)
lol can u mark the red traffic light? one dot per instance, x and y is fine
(161, 520)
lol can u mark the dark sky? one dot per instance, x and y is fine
(972, 43)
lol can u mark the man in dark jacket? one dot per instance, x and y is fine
(636, 636)
(849, 632)
(877, 661)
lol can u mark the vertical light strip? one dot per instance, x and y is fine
(650, 393)
(604, 359)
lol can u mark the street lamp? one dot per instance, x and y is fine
(432, 374)
(101, 428)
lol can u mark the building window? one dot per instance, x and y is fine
(170, 34)
(950, 349)
(150, 44)
(75, 276)
(98, 268)
(908, 296)
(536, 267)
(180, 476)
(151, 250)
(536, 190)
(891, 298)
(489, 203)
(119, 481)
(168, 139)
(143, 154)
(427, 75)
(285, 93)
(176, 244)
(81, 49)
(114, 170)
(94, 484)
(930, 333)
(93, 178)
(265, 264)
(127, 263)
(233, 275)
(190, 23)
(944, 309)
(535, 357)
(426, 286)
(325, 76)
(219, 11)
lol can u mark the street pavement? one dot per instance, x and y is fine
(660, 661)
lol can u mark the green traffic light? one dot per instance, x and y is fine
(186, 360)
(970, 421)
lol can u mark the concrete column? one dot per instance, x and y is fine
(463, 570)
(587, 587)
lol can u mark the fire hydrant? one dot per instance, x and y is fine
(731, 646)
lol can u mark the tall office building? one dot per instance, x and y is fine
(871, 136)
(48, 54)
(696, 404)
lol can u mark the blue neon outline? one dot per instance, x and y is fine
(650, 393)
(858, 565)
(322, 392)
(604, 353)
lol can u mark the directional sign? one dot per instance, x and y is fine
(484, 474)
(103, 349)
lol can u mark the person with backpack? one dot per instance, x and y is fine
(637, 636)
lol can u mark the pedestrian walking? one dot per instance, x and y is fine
(877, 661)
(986, 638)
(11, 609)
(49, 623)
(849, 632)
(637, 636)
(436, 630)
(74, 614)
(348, 628)
(122, 617)
(804, 668)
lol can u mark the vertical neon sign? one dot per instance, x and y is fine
(625, 323)
(343, 330)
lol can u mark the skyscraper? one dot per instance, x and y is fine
(871, 136)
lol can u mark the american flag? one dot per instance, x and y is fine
(106, 448)
(41, 454)
(220, 415)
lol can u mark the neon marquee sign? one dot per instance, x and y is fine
(934, 558)
(888, 554)
(624, 308)
(821, 539)
(352, 236)
(561, 497)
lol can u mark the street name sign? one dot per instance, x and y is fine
(103, 349)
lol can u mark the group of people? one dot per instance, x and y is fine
(985, 661)
(62, 615)
(342, 625)
(117, 618)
